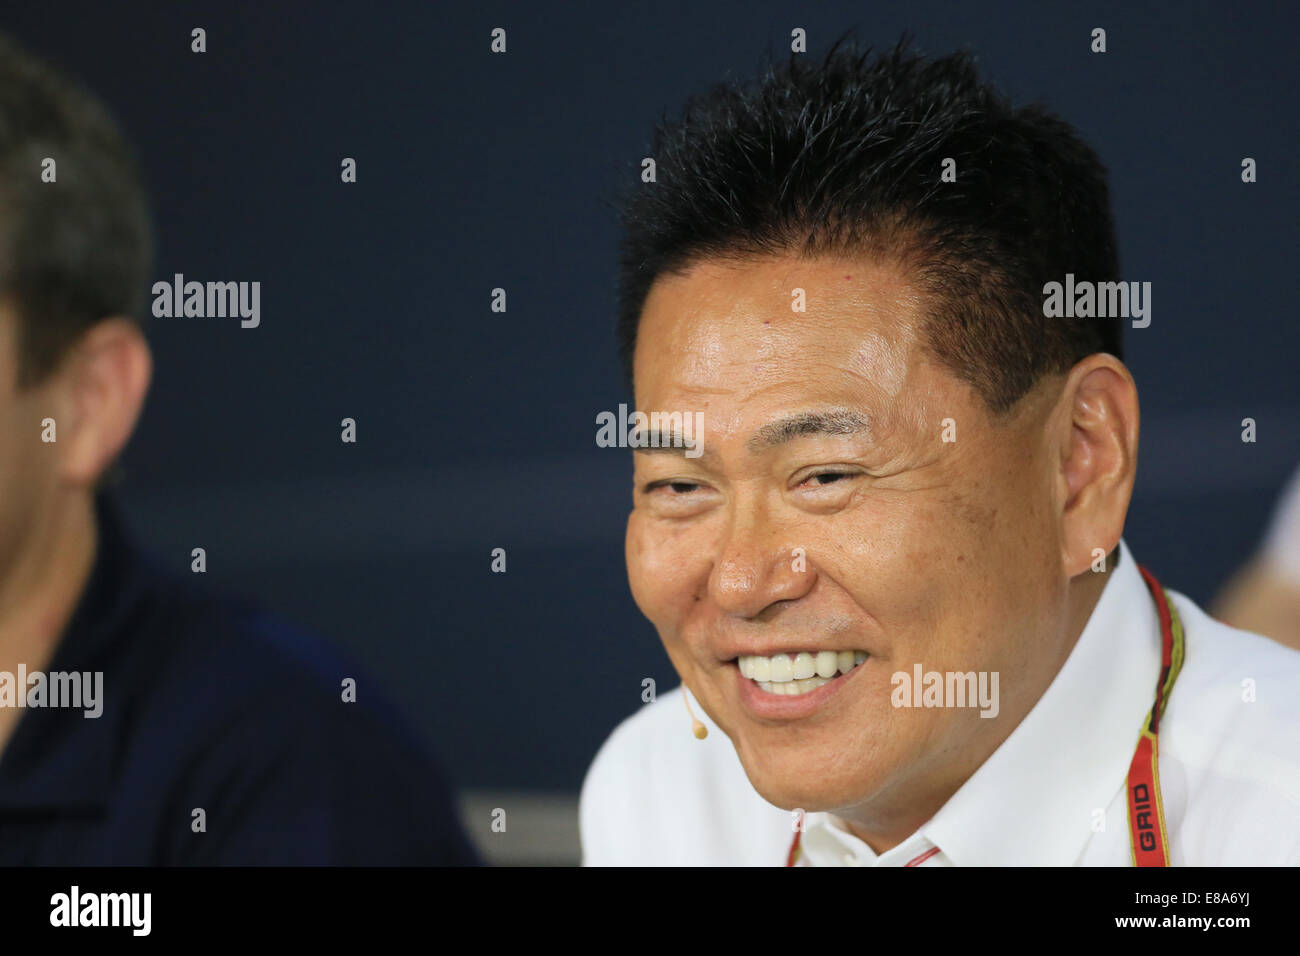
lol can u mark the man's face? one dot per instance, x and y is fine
(828, 514)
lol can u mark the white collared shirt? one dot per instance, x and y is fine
(1052, 794)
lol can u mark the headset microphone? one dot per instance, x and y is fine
(697, 727)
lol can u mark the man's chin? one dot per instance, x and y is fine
(807, 786)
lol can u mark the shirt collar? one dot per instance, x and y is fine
(59, 758)
(1035, 799)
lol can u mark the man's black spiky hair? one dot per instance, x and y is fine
(844, 157)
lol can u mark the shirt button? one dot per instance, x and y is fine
(851, 860)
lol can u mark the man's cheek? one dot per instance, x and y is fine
(656, 572)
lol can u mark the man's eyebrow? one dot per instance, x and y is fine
(662, 441)
(837, 421)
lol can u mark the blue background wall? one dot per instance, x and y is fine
(476, 429)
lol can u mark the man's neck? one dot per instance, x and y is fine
(922, 802)
(40, 590)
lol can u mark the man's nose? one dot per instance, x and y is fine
(757, 566)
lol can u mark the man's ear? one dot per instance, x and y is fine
(101, 384)
(1096, 423)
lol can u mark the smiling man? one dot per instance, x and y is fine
(910, 494)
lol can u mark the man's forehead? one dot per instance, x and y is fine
(771, 317)
(724, 331)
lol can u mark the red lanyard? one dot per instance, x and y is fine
(1148, 841)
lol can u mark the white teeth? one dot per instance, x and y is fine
(805, 671)
(804, 666)
(781, 669)
(792, 688)
(827, 663)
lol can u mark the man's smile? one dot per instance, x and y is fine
(797, 673)
(782, 696)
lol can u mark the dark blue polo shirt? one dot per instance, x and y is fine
(214, 705)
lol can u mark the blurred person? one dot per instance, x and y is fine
(142, 720)
(889, 568)
(1264, 595)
